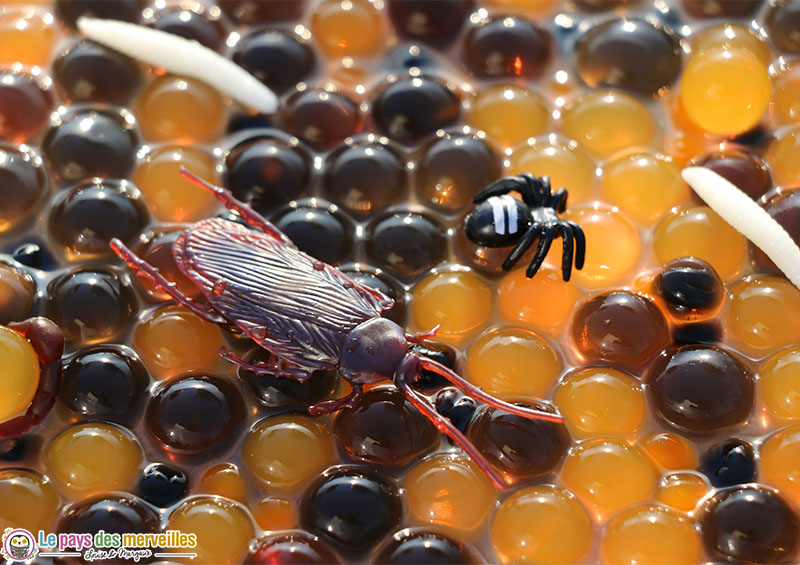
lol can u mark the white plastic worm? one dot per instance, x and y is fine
(741, 212)
(181, 56)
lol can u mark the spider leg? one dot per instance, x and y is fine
(559, 200)
(499, 187)
(545, 241)
(569, 249)
(272, 368)
(580, 244)
(328, 406)
(521, 247)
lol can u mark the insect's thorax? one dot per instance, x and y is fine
(372, 351)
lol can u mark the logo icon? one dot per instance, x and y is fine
(18, 545)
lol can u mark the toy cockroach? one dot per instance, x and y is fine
(308, 314)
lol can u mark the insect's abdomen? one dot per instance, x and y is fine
(498, 221)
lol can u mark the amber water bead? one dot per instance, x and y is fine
(173, 340)
(126, 10)
(785, 108)
(669, 450)
(296, 548)
(225, 480)
(90, 72)
(180, 110)
(411, 547)
(783, 156)
(156, 248)
(320, 118)
(27, 500)
(541, 524)
(779, 464)
(700, 232)
(191, 22)
(317, 228)
(745, 170)
(764, 314)
(561, 160)
(91, 214)
(275, 513)
(24, 184)
(384, 428)
(682, 491)
(512, 362)
(779, 384)
(650, 534)
(629, 53)
(21, 382)
(411, 108)
(27, 36)
(782, 20)
(345, 28)
(406, 243)
(749, 524)
(458, 301)
(223, 528)
(195, 414)
(732, 36)
(93, 457)
(90, 305)
(509, 114)
(543, 302)
(277, 58)
(701, 389)
(17, 291)
(25, 104)
(110, 513)
(435, 22)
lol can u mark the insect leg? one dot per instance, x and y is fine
(580, 244)
(328, 406)
(419, 337)
(521, 247)
(545, 241)
(568, 251)
(276, 368)
(145, 270)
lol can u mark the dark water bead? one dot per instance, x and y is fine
(749, 524)
(17, 293)
(406, 243)
(318, 232)
(785, 209)
(755, 138)
(112, 513)
(321, 118)
(423, 547)
(730, 463)
(436, 22)
(88, 71)
(604, 5)
(156, 249)
(507, 47)
(629, 53)
(690, 288)
(94, 213)
(373, 278)
(91, 143)
(265, 172)
(700, 332)
(297, 548)
(720, 8)
(253, 11)
(105, 382)
(620, 327)
(352, 508)
(409, 56)
(520, 447)
(453, 169)
(455, 406)
(25, 105)
(429, 381)
(365, 177)
(783, 24)
(90, 305)
(162, 485)
(197, 24)
(745, 170)
(196, 413)
(35, 255)
(384, 428)
(277, 58)
(411, 108)
(13, 449)
(69, 11)
(242, 122)
(22, 183)
(274, 391)
(701, 389)
(487, 260)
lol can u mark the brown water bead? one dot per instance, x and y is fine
(88, 71)
(690, 289)
(25, 105)
(720, 8)
(17, 290)
(365, 177)
(114, 514)
(411, 547)
(507, 47)
(406, 243)
(191, 21)
(69, 11)
(620, 327)
(745, 170)
(321, 231)
(90, 305)
(701, 389)
(253, 11)
(93, 213)
(454, 168)
(22, 183)
(783, 22)
(523, 449)
(195, 414)
(279, 59)
(749, 524)
(629, 53)
(320, 118)
(156, 249)
(784, 208)
(436, 22)
(296, 548)
(384, 428)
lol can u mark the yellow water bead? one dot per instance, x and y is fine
(347, 28)
(650, 534)
(785, 106)
(731, 36)
(607, 121)
(780, 462)
(223, 528)
(512, 363)
(783, 156)
(93, 457)
(541, 524)
(643, 185)
(683, 491)
(764, 314)
(608, 475)
(669, 450)
(274, 513)
(700, 232)
(27, 36)
(601, 401)
(779, 384)
(725, 91)
(20, 379)
(509, 114)
(224, 480)
(27, 500)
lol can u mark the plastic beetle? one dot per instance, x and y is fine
(307, 313)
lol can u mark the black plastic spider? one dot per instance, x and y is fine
(501, 220)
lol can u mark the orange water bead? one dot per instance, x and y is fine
(785, 105)
(180, 110)
(27, 500)
(601, 401)
(541, 524)
(275, 513)
(683, 491)
(780, 462)
(458, 301)
(170, 196)
(669, 450)
(173, 340)
(607, 121)
(700, 232)
(608, 475)
(224, 480)
(20, 374)
(524, 7)
(223, 528)
(543, 302)
(643, 185)
(27, 36)
(509, 114)
(779, 384)
(348, 28)
(650, 534)
(764, 314)
(731, 36)
(783, 156)
(512, 363)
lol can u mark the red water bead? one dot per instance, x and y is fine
(745, 170)
(436, 22)
(620, 327)
(504, 47)
(720, 8)
(785, 209)
(297, 548)
(25, 105)
(321, 118)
